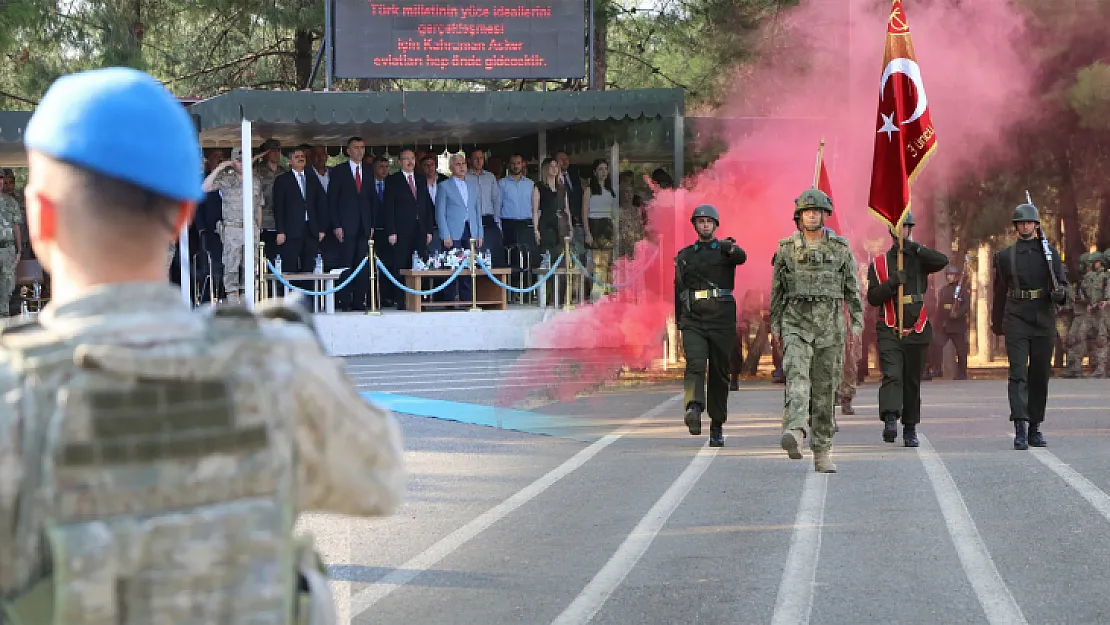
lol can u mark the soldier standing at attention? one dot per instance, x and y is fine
(704, 279)
(153, 460)
(11, 249)
(902, 359)
(814, 276)
(1023, 310)
(227, 178)
(955, 308)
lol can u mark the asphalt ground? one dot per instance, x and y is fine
(621, 516)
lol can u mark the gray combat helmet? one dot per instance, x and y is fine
(812, 198)
(1026, 212)
(705, 210)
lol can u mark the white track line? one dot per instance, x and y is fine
(597, 592)
(795, 598)
(1093, 494)
(366, 598)
(994, 596)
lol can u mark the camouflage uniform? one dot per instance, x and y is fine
(1089, 310)
(230, 185)
(853, 353)
(209, 488)
(810, 285)
(10, 219)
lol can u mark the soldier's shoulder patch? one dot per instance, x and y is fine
(839, 240)
(787, 242)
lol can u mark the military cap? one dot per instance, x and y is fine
(270, 144)
(1026, 212)
(812, 198)
(123, 124)
(706, 210)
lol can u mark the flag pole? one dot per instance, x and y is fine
(817, 166)
(901, 285)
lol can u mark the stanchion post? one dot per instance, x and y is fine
(473, 277)
(260, 293)
(372, 268)
(570, 272)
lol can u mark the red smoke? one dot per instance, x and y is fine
(820, 79)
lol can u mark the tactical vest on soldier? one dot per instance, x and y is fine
(164, 483)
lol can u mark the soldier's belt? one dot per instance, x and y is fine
(912, 299)
(708, 293)
(1034, 294)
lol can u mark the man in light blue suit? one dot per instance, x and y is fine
(459, 218)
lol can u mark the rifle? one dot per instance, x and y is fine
(1047, 250)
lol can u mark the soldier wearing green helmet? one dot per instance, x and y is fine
(814, 277)
(1024, 300)
(902, 358)
(1087, 335)
(705, 310)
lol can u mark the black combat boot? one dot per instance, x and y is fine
(846, 406)
(716, 435)
(693, 419)
(909, 436)
(734, 383)
(890, 426)
(1020, 440)
(1036, 439)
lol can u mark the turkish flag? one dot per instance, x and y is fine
(904, 137)
(823, 185)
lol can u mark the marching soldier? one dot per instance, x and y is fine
(153, 460)
(955, 309)
(853, 352)
(1023, 310)
(902, 359)
(1087, 325)
(814, 276)
(705, 308)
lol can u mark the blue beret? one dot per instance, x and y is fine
(123, 124)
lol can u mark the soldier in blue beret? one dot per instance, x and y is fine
(146, 441)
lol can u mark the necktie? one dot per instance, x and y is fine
(412, 187)
(358, 179)
(300, 183)
(380, 196)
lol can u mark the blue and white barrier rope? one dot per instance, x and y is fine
(620, 285)
(513, 289)
(334, 289)
(439, 288)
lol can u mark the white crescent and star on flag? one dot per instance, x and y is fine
(910, 69)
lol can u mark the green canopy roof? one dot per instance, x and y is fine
(394, 118)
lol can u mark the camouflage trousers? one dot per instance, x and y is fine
(1079, 337)
(853, 351)
(232, 237)
(812, 377)
(7, 278)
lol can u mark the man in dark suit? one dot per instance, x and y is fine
(428, 164)
(299, 206)
(407, 216)
(350, 190)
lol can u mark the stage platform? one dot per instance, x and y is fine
(518, 328)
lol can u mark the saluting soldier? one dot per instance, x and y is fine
(902, 358)
(955, 309)
(814, 277)
(705, 308)
(1024, 299)
(154, 460)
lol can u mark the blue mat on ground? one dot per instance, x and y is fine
(478, 414)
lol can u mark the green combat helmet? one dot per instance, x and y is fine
(1026, 212)
(812, 198)
(1098, 257)
(705, 210)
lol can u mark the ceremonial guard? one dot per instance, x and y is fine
(814, 276)
(705, 308)
(154, 459)
(1029, 281)
(902, 359)
(955, 308)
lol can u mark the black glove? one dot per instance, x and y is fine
(911, 247)
(1060, 295)
(728, 245)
